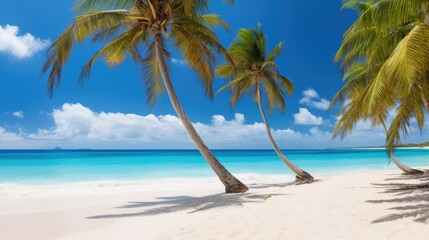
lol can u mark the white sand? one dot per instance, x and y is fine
(337, 207)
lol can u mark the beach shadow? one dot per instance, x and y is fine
(401, 177)
(270, 185)
(412, 199)
(186, 203)
(281, 185)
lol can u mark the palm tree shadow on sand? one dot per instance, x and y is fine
(191, 204)
(412, 199)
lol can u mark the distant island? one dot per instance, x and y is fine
(425, 144)
(406, 145)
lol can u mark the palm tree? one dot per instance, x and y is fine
(391, 38)
(353, 111)
(127, 27)
(253, 69)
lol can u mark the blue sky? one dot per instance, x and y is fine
(110, 111)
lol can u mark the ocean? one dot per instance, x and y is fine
(34, 167)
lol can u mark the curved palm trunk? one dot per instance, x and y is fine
(232, 184)
(407, 170)
(301, 175)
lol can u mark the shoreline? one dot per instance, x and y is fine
(339, 206)
(188, 149)
(15, 190)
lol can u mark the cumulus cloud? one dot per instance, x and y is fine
(18, 114)
(20, 46)
(78, 123)
(74, 121)
(76, 126)
(312, 99)
(180, 62)
(305, 117)
(8, 136)
(11, 140)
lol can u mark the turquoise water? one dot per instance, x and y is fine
(46, 166)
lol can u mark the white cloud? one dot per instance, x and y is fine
(20, 46)
(180, 62)
(311, 98)
(76, 126)
(8, 136)
(10, 140)
(18, 114)
(305, 117)
(74, 121)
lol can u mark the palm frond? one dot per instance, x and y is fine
(410, 107)
(152, 75)
(86, 6)
(409, 60)
(358, 5)
(393, 12)
(114, 52)
(83, 27)
(274, 93)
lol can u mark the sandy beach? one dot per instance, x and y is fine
(191, 120)
(353, 205)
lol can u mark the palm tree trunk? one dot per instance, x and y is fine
(407, 170)
(232, 184)
(301, 175)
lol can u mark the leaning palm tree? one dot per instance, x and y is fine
(391, 38)
(353, 110)
(128, 27)
(253, 69)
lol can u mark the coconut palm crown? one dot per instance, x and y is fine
(255, 71)
(390, 42)
(362, 69)
(127, 28)
(143, 29)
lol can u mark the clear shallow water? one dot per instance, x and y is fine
(46, 166)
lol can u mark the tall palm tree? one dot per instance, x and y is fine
(253, 69)
(128, 27)
(391, 37)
